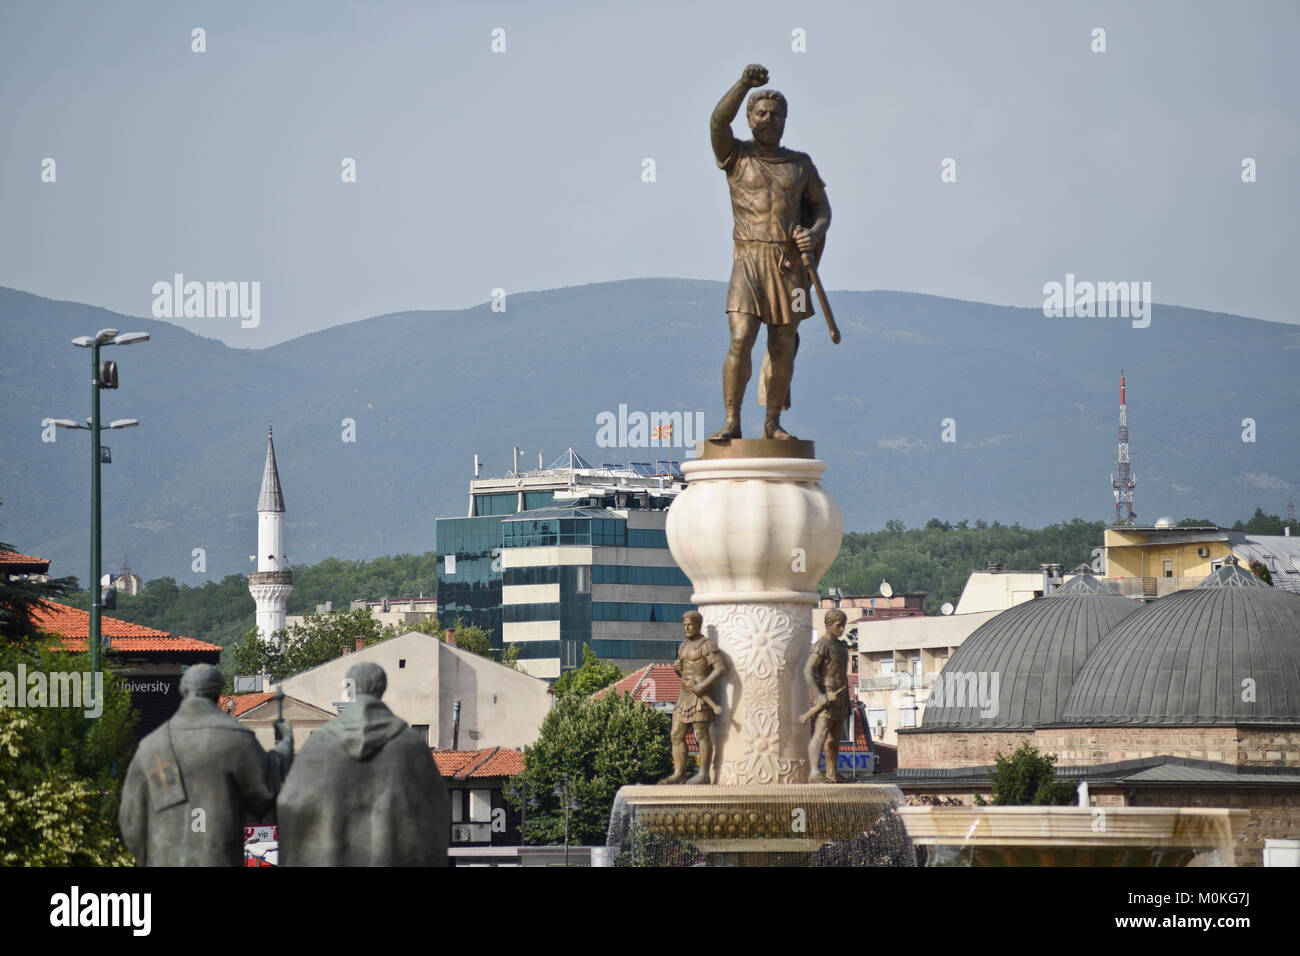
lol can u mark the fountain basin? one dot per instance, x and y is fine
(1073, 836)
(775, 825)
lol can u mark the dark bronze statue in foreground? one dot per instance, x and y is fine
(827, 672)
(781, 214)
(699, 664)
(364, 790)
(197, 780)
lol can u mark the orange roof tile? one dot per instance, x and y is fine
(505, 762)
(243, 702)
(73, 626)
(13, 557)
(490, 762)
(451, 762)
(651, 684)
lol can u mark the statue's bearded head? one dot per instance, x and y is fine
(766, 112)
(692, 621)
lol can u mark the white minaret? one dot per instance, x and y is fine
(272, 582)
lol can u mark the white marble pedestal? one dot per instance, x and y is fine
(755, 535)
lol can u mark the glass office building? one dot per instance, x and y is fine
(569, 555)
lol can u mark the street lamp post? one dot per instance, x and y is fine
(570, 803)
(101, 376)
(519, 788)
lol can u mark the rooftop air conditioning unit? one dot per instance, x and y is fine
(1202, 552)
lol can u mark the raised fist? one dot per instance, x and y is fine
(754, 75)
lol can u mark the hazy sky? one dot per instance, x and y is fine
(522, 170)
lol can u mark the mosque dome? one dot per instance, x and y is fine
(1036, 649)
(1223, 653)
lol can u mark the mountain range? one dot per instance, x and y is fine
(1033, 403)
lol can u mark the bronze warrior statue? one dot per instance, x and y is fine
(827, 672)
(781, 216)
(699, 664)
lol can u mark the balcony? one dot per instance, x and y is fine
(1152, 587)
(876, 683)
(893, 682)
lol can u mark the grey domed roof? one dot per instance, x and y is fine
(1185, 660)
(1036, 649)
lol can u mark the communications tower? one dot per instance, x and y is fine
(1123, 481)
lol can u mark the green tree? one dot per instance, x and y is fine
(599, 746)
(589, 678)
(251, 655)
(319, 638)
(1029, 777)
(1260, 523)
(61, 770)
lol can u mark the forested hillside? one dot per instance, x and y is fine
(935, 559)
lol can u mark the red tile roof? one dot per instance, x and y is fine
(243, 702)
(73, 626)
(13, 557)
(467, 764)
(652, 684)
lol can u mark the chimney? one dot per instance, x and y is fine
(455, 726)
(451, 636)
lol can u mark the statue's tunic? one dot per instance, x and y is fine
(693, 662)
(364, 791)
(204, 760)
(768, 199)
(833, 675)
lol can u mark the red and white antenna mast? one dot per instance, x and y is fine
(1123, 481)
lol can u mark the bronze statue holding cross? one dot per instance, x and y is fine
(197, 780)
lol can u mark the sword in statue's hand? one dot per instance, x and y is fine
(806, 256)
(817, 708)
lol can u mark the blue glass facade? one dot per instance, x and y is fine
(473, 592)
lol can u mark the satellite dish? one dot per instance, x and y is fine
(886, 589)
(947, 608)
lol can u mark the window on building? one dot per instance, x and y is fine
(907, 717)
(876, 719)
(480, 806)
(458, 806)
(846, 735)
(422, 730)
(886, 666)
(496, 504)
(1169, 567)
